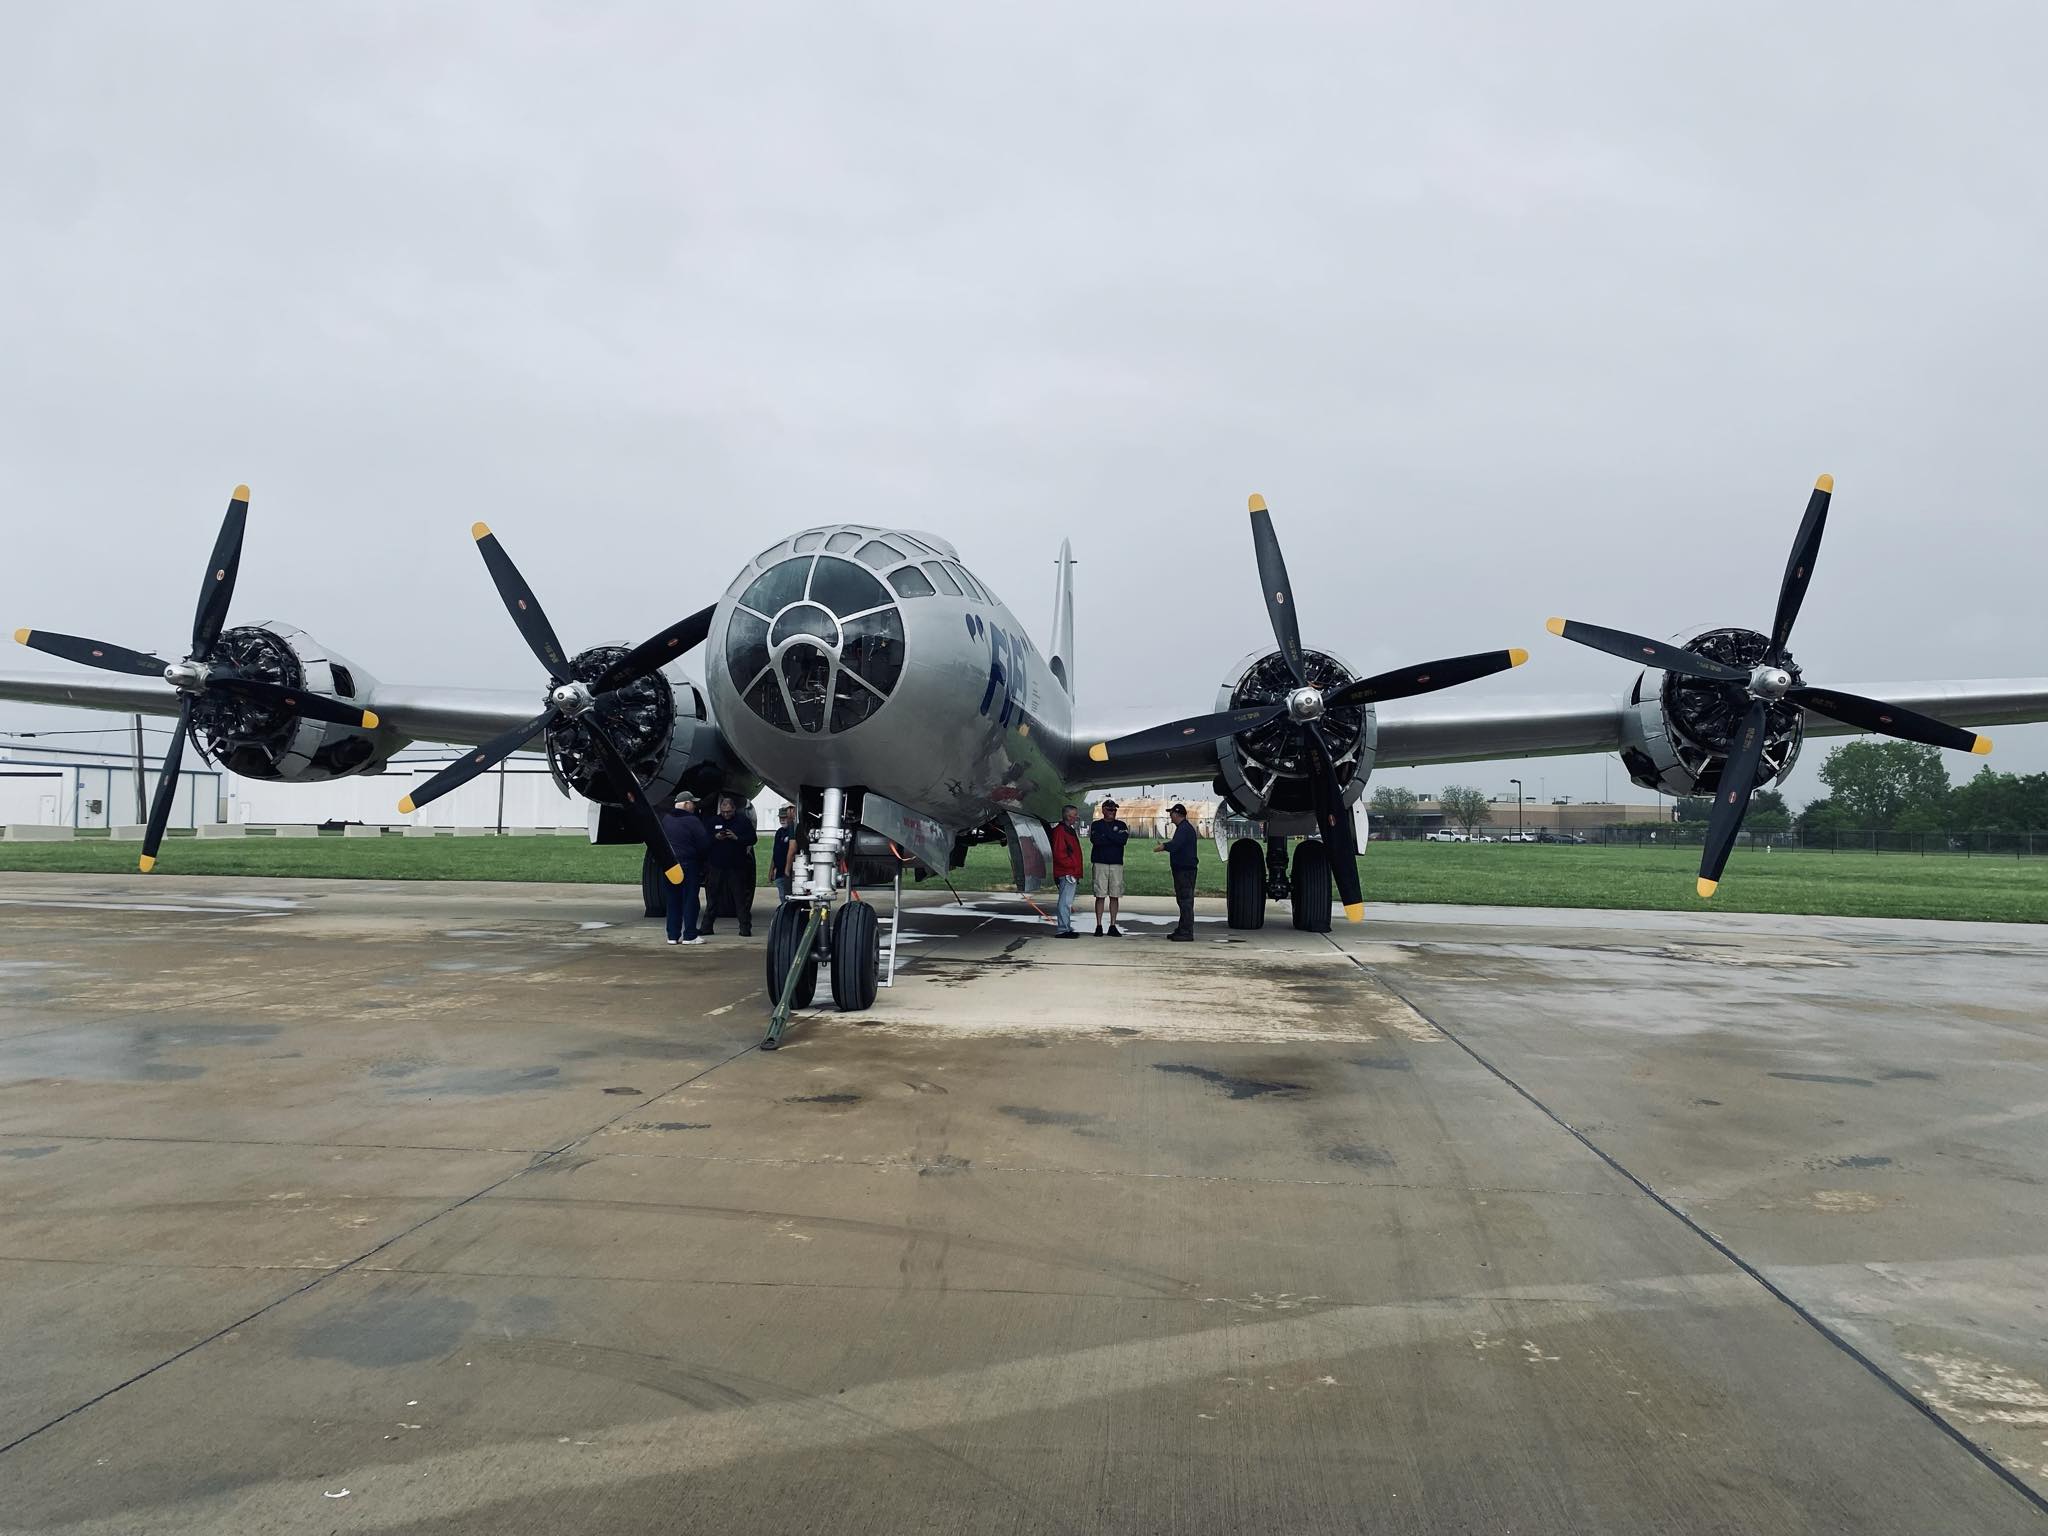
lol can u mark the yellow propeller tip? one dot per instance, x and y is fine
(1518, 657)
(405, 806)
(1707, 887)
(1355, 911)
(674, 873)
(1825, 483)
(1555, 626)
(241, 493)
(1099, 753)
(21, 636)
(370, 720)
(147, 863)
(1256, 503)
(1981, 746)
(479, 531)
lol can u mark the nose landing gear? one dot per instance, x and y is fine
(807, 930)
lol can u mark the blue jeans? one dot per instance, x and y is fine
(782, 885)
(682, 905)
(1068, 884)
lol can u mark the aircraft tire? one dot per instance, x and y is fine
(1310, 895)
(783, 934)
(856, 957)
(653, 899)
(1244, 901)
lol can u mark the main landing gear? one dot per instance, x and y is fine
(807, 929)
(1254, 877)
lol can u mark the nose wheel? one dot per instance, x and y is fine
(807, 928)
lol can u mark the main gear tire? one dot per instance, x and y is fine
(1244, 901)
(1310, 891)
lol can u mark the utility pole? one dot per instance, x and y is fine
(1518, 808)
(501, 795)
(141, 795)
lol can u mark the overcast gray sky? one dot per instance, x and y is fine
(1508, 310)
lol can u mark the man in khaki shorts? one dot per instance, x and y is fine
(1106, 838)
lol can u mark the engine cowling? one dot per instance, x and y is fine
(1263, 773)
(261, 742)
(1677, 731)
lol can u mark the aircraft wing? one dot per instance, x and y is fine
(461, 716)
(1445, 732)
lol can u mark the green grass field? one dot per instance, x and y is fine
(1652, 879)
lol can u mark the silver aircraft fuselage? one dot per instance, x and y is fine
(963, 719)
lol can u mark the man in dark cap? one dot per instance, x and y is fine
(731, 860)
(1181, 850)
(1106, 838)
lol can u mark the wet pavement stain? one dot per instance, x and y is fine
(943, 1165)
(383, 1330)
(1361, 1156)
(1908, 1075)
(1235, 1087)
(1859, 1160)
(824, 1098)
(1383, 1063)
(1030, 1116)
(488, 1080)
(673, 1125)
(116, 1053)
(622, 1089)
(1824, 1077)
(26, 1152)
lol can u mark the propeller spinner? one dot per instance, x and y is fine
(1766, 684)
(1305, 705)
(569, 698)
(198, 675)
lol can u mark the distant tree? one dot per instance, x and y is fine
(1874, 783)
(1467, 806)
(1692, 809)
(1394, 806)
(1767, 813)
(2000, 802)
(1819, 819)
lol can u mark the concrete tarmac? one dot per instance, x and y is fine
(354, 1206)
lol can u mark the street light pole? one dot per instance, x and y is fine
(1518, 808)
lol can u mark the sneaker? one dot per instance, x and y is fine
(1098, 930)
(682, 941)
(698, 940)
(1182, 938)
(1115, 932)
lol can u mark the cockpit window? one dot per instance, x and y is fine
(966, 581)
(809, 541)
(841, 542)
(776, 552)
(815, 643)
(878, 554)
(937, 572)
(845, 588)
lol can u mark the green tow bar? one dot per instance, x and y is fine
(780, 1020)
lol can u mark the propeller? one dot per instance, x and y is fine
(1305, 706)
(1771, 681)
(570, 699)
(198, 674)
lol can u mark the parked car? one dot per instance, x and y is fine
(1446, 835)
(1555, 837)
(1521, 837)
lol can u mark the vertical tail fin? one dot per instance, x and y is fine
(1063, 620)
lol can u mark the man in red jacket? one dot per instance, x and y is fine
(1066, 868)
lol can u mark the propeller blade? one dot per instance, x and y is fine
(636, 801)
(1731, 800)
(1340, 837)
(166, 788)
(1799, 566)
(653, 654)
(1890, 719)
(1650, 653)
(1195, 731)
(1424, 679)
(93, 653)
(481, 760)
(522, 604)
(221, 571)
(1279, 590)
(308, 706)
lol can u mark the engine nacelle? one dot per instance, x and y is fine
(1677, 731)
(261, 742)
(1264, 773)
